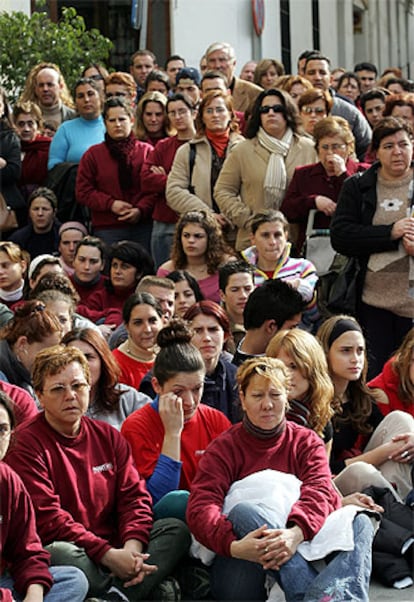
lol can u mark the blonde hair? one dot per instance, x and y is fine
(157, 97)
(306, 352)
(268, 367)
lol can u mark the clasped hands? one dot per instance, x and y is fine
(125, 212)
(128, 564)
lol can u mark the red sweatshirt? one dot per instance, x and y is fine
(24, 405)
(20, 546)
(237, 454)
(84, 489)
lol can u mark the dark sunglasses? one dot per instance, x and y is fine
(275, 108)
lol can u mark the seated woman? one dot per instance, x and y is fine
(187, 292)
(142, 317)
(110, 400)
(169, 435)
(92, 508)
(32, 329)
(253, 540)
(311, 390)
(361, 433)
(128, 262)
(200, 249)
(211, 328)
(14, 262)
(28, 124)
(317, 186)
(28, 577)
(41, 235)
(270, 257)
(88, 263)
(61, 306)
(396, 381)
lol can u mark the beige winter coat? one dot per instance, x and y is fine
(239, 189)
(179, 198)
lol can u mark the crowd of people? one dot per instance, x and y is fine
(181, 414)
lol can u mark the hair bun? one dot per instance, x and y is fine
(177, 332)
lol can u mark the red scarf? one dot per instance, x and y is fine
(219, 141)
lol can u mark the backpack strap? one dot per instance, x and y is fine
(191, 161)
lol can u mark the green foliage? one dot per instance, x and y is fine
(26, 41)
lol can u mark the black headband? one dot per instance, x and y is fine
(342, 325)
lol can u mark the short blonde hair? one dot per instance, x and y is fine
(268, 367)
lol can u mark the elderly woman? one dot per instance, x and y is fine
(373, 222)
(314, 105)
(256, 175)
(92, 507)
(317, 186)
(349, 86)
(198, 163)
(253, 539)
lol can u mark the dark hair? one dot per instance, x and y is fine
(405, 84)
(8, 405)
(115, 102)
(366, 67)
(405, 99)
(387, 127)
(92, 241)
(216, 247)
(268, 216)
(274, 300)
(44, 192)
(173, 57)
(317, 56)
(86, 81)
(183, 97)
(31, 320)
(233, 267)
(107, 395)
(157, 76)
(306, 53)
(214, 75)
(177, 353)
(209, 308)
(347, 76)
(372, 94)
(290, 111)
(184, 276)
(134, 254)
(58, 282)
(139, 299)
(101, 69)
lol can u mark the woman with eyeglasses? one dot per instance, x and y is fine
(98, 73)
(92, 508)
(256, 175)
(198, 163)
(180, 114)
(314, 105)
(317, 186)
(25, 574)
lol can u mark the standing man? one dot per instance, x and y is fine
(317, 71)
(46, 87)
(367, 74)
(247, 72)
(142, 63)
(187, 81)
(221, 57)
(173, 64)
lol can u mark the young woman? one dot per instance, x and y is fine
(187, 291)
(211, 328)
(256, 536)
(32, 328)
(128, 262)
(396, 381)
(311, 391)
(28, 577)
(61, 306)
(169, 435)
(200, 249)
(109, 401)
(360, 431)
(142, 316)
(88, 263)
(13, 268)
(151, 118)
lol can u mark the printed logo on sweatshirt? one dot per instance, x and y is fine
(103, 467)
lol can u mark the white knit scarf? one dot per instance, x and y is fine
(12, 296)
(275, 181)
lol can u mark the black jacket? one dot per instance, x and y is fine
(10, 174)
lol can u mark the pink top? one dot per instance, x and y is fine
(209, 286)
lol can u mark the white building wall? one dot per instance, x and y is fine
(301, 37)
(15, 5)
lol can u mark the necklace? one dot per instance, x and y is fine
(139, 357)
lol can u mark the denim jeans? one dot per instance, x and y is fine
(161, 242)
(140, 233)
(346, 577)
(70, 585)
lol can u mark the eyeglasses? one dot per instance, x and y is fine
(178, 113)
(315, 110)
(60, 390)
(5, 430)
(275, 108)
(332, 147)
(212, 110)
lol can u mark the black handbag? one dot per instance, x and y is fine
(343, 293)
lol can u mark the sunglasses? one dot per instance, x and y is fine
(275, 108)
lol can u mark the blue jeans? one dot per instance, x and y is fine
(136, 232)
(70, 585)
(345, 578)
(161, 242)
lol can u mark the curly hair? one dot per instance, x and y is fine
(305, 351)
(29, 91)
(358, 410)
(216, 247)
